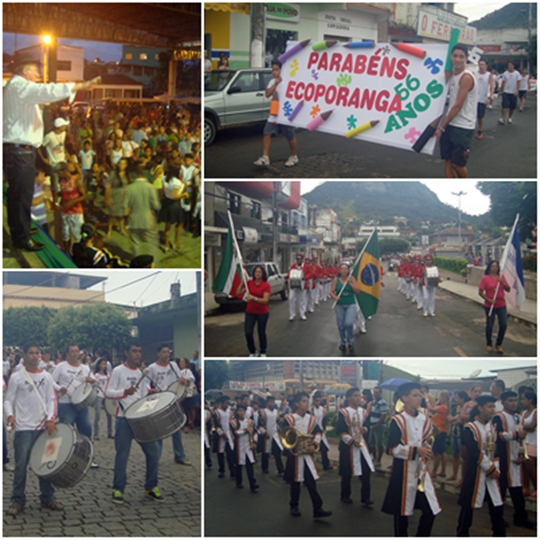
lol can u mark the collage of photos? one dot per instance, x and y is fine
(254, 247)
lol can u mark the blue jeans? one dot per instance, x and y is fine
(122, 443)
(345, 315)
(178, 447)
(98, 405)
(68, 413)
(23, 442)
(490, 323)
(5, 457)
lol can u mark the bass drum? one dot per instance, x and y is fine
(84, 395)
(63, 458)
(180, 390)
(155, 417)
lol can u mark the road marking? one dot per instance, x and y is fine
(268, 479)
(459, 351)
(440, 331)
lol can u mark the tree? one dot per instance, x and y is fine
(91, 327)
(393, 245)
(216, 374)
(532, 53)
(22, 324)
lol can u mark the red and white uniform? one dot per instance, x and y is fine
(356, 452)
(71, 377)
(241, 435)
(270, 429)
(224, 429)
(164, 376)
(305, 424)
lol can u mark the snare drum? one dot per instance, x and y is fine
(180, 390)
(432, 276)
(155, 417)
(63, 458)
(296, 277)
(84, 395)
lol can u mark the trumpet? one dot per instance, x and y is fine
(250, 424)
(297, 442)
(357, 429)
(523, 449)
(489, 445)
(428, 443)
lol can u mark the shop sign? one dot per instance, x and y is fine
(440, 26)
(251, 236)
(287, 12)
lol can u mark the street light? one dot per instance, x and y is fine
(458, 195)
(46, 41)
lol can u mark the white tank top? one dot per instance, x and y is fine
(466, 117)
(530, 438)
(483, 85)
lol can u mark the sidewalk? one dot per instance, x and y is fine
(527, 314)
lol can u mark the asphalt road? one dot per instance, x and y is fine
(507, 151)
(234, 512)
(398, 329)
(89, 510)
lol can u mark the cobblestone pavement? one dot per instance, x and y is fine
(89, 510)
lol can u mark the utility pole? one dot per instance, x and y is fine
(257, 35)
(275, 231)
(458, 195)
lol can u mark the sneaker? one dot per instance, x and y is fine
(53, 505)
(154, 494)
(292, 161)
(185, 462)
(94, 465)
(262, 355)
(117, 496)
(501, 121)
(263, 161)
(509, 120)
(8, 468)
(480, 136)
(253, 355)
(521, 109)
(15, 509)
(363, 330)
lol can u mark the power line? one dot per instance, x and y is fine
(149, 285)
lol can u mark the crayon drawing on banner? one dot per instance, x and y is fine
(378, 93)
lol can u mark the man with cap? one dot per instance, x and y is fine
(22, 135)
(409, 446)
(510, 435)
(481, 475)
(55, 145)
(299, 277)
(428, 290)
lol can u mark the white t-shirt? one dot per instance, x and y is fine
(129, 147)
(55, 145)
(273, 118)
(87, 158)
(511, 81)
(483, 85)
(122, 378)
(524, 83)
(163, 376)
(67, 376)
(169, 188)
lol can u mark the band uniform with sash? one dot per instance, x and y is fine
(244, 444)
(269, 431)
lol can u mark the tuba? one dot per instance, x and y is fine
(296, 442)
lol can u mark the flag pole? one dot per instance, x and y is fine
(357, 260)
(237, 247)
(502, 264)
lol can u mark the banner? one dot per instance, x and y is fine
(273, 386)
(512, 269)
(378, 92)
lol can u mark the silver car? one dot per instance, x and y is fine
(233, 97)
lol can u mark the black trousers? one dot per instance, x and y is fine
(518, 501)
(249, 327)
(276, 452)
(20, 171)
(495, 513)
(324, 457)
(230, 460)
(207, 457)
(401, 523)
(316, 500)
(250, 475)
(365, 479)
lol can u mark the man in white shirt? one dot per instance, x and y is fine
(22, 134)
(523, 89)
(30, 407)
(484, 81)
(510, 89)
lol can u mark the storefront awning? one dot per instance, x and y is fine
(221, 219)
(229, 7)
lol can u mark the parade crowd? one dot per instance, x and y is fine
(492, 440)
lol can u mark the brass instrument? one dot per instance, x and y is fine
(400, 407)
(357, 429)
(428, 443)
(523, 449)
(250, 424)
(489, 445)
(297, 442)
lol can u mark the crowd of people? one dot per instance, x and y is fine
(41, 389)
(491, 437)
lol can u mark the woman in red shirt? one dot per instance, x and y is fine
(486, 289)
(257, 309)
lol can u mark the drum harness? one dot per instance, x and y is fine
(31, 381)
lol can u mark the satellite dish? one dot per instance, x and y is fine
(475, 373)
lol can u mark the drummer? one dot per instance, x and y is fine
(127, 385)
(68, 376)
(162, 373)
(30, 407)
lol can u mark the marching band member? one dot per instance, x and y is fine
(300, 463)
(225, 442)
(419, 278)
(317, 270)
(319, 412)
(298, 287)
(162, 373)
(509, 445)
(270, 432)
(311, 287)
(30, 407)
(481, 476)
(208, 433)
(354, 458)
(245, 441)
(126, 385)
(408, 445)
(429, 290)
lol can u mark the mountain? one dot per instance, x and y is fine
(514, 15)
(382, 201)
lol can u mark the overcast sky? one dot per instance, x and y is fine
(477, 9)
(143, 287)
(474, 203)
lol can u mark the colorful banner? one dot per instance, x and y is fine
(378, 92)
(270, 385)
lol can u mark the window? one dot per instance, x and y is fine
(129, 56)
(137, 71)
(143, 56)
(271, 270)
(247, 82)
(157, 56)
(63, 65)
(233, 203)
(255, 209)
(149, 72)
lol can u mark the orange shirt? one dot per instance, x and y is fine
(440, 418)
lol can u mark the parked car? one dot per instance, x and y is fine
(278, 284)
(234, 97)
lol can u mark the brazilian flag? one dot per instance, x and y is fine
(367, 272)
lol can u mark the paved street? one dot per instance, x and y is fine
(89, 510)
(233, 512)
(398, 329)
(507, 151)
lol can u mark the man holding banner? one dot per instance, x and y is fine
(456, 130)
